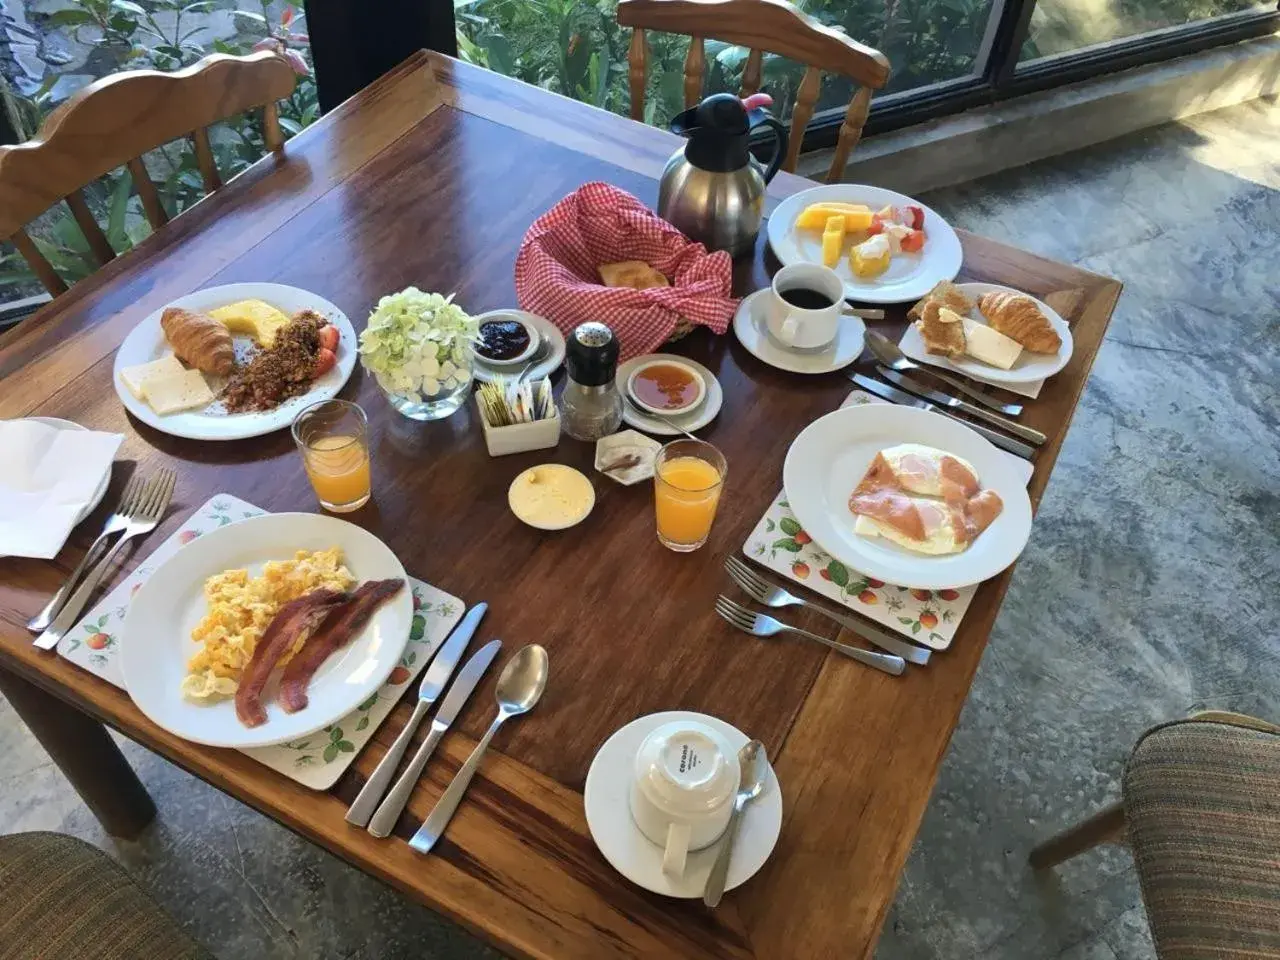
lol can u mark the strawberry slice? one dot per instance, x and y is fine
(325, 360)
(913, 242)
(916, 215)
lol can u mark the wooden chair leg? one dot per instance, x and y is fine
(1105, 826)
(87, 756)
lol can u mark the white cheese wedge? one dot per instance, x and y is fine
(990, 346)
(181, 392)
(136, 378)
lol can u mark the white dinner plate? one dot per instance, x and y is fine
(156, 637)
(635, 856)
(146, 342)
(910, 275)
(831, 455)
(101, 490)
(749, 327)
(695, 419)
(548, 357)
(1028, 368)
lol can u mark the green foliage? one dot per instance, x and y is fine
(160, 35)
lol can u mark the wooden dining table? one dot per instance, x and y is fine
(430, 177)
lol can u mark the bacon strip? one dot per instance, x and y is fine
(342, 623)
(290, 622)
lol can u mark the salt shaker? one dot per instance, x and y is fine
(591, 407)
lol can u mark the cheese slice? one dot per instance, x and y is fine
(182, 391)
(136, 378)
(989, 345)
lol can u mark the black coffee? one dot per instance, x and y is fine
(806, 299)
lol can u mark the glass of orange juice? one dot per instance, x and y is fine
(333, 439)
(688, 476)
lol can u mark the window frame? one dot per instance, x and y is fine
(352, 48)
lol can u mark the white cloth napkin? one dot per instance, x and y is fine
(47, 476)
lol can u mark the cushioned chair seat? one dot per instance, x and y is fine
(1202, 807)
(62, 899)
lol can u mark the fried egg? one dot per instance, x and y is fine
(939, 530)
(922, 499)
(926, 471)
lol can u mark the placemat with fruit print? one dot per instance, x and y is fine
(314, 761)
(929, 617)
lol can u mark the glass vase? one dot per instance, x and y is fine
(432, 406)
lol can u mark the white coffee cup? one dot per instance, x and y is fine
(682, 791)
(794, 326)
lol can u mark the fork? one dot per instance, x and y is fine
(759, 625)
(149, 510)
(762, 591)
(118, 520)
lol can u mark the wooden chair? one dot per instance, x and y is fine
(771, 26)
(112, 123)
(1201, 814)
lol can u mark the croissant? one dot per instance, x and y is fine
(199, 341)
(1018, 318)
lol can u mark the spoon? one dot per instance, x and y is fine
(754, 764)
(891, 355)
(656, 416)
(520, 685)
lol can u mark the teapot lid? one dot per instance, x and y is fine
(721, 113)
(718, 130)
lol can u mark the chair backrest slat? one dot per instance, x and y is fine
(801, 114)
(695, 65)
(271, 134)
(97, 240)
(204, 159)
(41, 267)
(752, 72)
(148, 194)
(855, 118)
(773, 26)
(637, 72)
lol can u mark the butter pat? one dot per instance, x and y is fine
(136, 378)
(990, 346)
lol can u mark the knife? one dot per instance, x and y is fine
(432, 684)
(385, 819)
(894, 395)
(908, 382)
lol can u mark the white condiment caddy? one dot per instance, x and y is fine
(520, 437)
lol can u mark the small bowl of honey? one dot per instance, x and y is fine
(666, 387)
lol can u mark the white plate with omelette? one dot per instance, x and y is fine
(146, 342)
(831, 457)
(1027, 368)
(157, 646)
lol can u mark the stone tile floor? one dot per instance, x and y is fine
(1149, 589)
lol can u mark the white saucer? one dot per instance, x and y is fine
(632, 854)
(749, 325)
(695, 419)
(99, 493)
(547, 359)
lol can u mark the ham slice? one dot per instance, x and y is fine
(341, 624)
(291, 621)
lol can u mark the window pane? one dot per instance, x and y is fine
(1061, 26)
(576, 48)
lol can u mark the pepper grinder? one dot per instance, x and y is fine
(591, 407)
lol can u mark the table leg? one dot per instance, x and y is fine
(87, 756)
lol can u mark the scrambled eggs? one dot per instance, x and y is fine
(240, 609)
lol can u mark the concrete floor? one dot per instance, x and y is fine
(1148, 589)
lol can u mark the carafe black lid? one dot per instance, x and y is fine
(720, 114)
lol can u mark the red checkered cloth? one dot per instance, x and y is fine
(557, 277)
